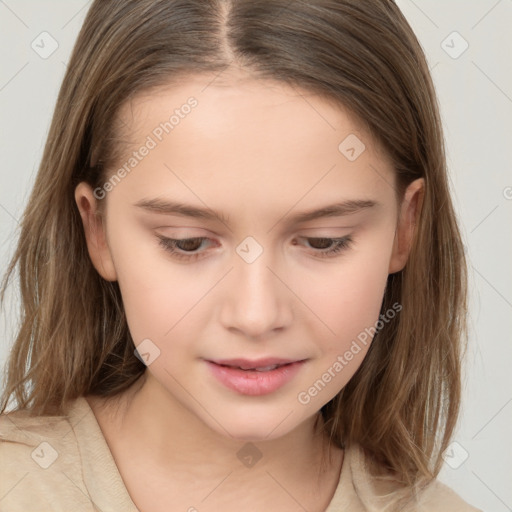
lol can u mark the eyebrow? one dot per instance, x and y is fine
(167, 207)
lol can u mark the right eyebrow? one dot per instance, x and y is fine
(168, 207)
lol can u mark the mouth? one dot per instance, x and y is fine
(255, 377)
(259, 365)
(256, 369)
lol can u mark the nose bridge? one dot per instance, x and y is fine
(255, 303)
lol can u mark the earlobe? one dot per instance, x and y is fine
(406, 226)
(94, 230)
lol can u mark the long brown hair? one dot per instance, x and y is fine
(402, 404)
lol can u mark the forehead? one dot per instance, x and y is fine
(255, 138)
(241, 103)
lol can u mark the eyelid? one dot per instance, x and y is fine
(335, 227)
(341, 244)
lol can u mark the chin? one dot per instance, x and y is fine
(254, 424)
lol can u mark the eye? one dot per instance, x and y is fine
(187, 248)
(326, 247)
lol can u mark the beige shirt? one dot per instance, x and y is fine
(63, 463)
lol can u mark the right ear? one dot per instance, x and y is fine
(94, 229)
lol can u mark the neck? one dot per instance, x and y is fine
(177, 443)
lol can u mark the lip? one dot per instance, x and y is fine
(252, 382)
(253, 363)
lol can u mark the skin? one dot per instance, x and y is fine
(259, 152)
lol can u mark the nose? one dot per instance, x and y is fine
(255, 301)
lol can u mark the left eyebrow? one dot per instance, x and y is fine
(166, 207)
(334, 210)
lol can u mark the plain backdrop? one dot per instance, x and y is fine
(468, 46)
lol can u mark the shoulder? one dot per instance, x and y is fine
(387, 493)
(438, 497)
(38, 454)
(26, 439)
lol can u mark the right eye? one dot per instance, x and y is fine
(183, 248)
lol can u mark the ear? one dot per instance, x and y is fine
(95, 233)
(406, 226)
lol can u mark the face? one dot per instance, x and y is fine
(257, 228)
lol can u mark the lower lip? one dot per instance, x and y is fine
(251, 382)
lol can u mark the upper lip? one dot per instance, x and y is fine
(254, 363)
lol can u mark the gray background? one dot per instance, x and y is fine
(475, 91)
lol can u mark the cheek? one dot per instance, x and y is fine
(348, 302)
(348, 295)
(157, 294)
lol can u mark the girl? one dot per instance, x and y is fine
(242, 279)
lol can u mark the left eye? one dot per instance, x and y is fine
(186, 248)
(330, 246)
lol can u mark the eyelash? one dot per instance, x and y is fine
(169, 244)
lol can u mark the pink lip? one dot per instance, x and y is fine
(252, 382)
(253, 363)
